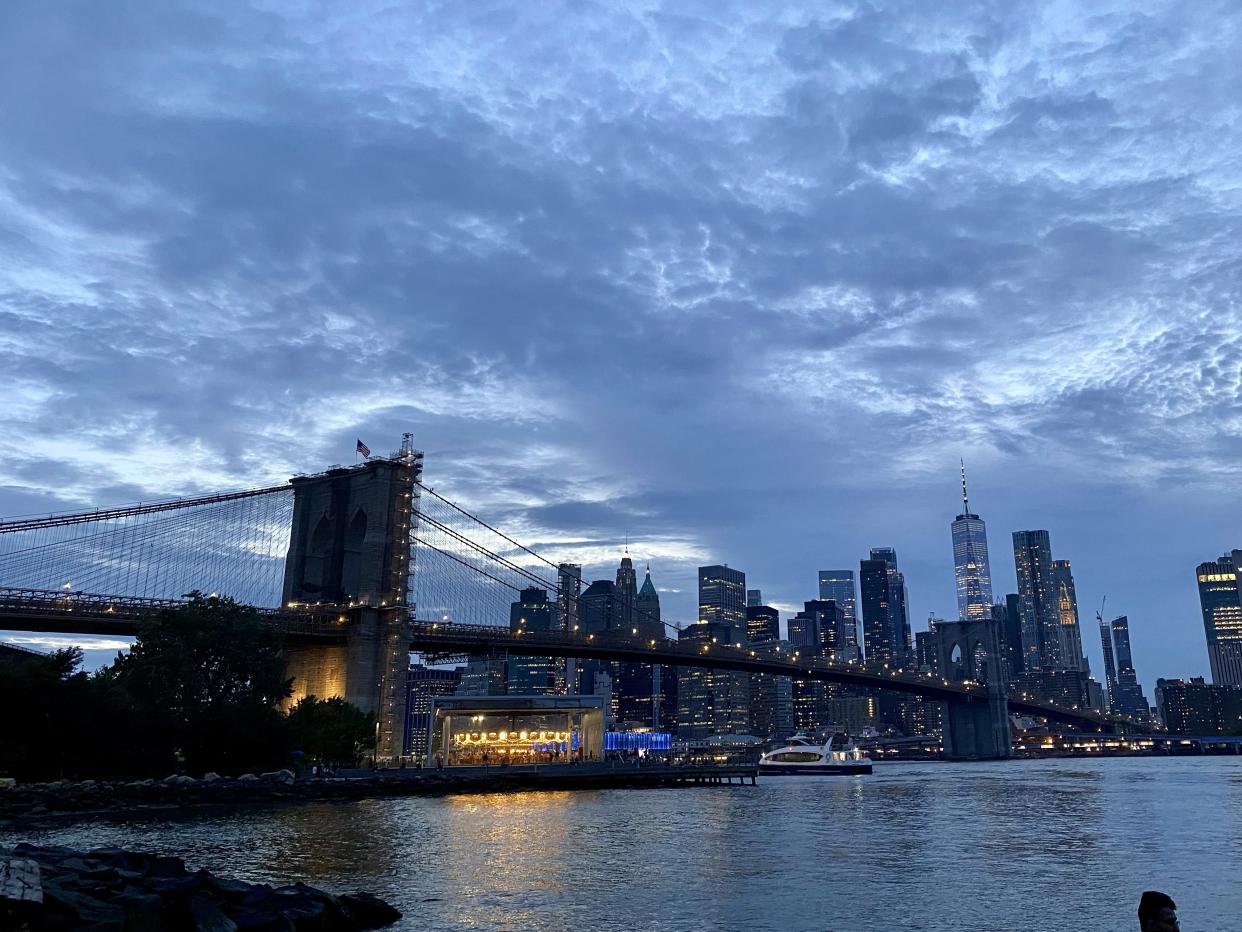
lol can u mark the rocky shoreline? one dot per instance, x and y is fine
(25, 804)
(34, 802)
(112, 890)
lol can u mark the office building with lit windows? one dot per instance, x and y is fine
(763, 623)
(838, 585)
(712, 702)
(533, 612)
(1220, 597)
(1037, 601)
(722, 598)
(1197, 708)
(424, 684)
(886, 621)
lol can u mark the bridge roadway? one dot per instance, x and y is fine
(454, 639)
(88, 613)
(65, 612)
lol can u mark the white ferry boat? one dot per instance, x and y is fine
(802, 756)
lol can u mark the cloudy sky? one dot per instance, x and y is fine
(741, 280)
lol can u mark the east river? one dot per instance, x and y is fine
(1025, 845)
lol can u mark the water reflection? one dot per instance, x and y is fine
(1053, 845)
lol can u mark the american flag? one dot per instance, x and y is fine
(364, 449)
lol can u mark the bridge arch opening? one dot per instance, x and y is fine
(351, 559)
(317, 557)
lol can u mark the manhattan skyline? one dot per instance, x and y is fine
(742, 286)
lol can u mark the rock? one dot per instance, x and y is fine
(8, 783)
(143, 911)
(254, 920)
(309, 909)
(247, 777)
(369, 912)
(20, 881)
(211, 777)
(234, 891)
(205, 916)
(86, 910)
(279, 776)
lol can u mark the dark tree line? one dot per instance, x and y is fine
(199, 691)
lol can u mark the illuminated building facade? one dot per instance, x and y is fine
(423, 685)
(712, 702)
(763, 623)
(886, 621)
(971, 569)
(536, 613)
(838, 585)
(1220, 597)
(1197, 708)
(771, 697)
(1037, 601)
(1067, 612)
(722, 598)
(490, 730)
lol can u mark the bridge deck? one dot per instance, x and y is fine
(87, 613)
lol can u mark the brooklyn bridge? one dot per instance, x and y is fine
(360, 565)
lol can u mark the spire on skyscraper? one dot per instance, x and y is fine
(965, 498)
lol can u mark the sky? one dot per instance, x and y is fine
(740, 281)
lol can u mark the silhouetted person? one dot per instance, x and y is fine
(1157, 913)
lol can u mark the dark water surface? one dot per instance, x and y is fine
(1024, 845)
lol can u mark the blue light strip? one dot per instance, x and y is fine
(637, 741)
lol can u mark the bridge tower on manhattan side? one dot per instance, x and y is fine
(350, 546)
(974, 728)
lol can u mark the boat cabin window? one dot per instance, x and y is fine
(795, 757)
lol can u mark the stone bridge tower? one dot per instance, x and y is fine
(974, 729)
(350, 545)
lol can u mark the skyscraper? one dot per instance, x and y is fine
(722, 597)
(637, 686)
(532, 612)
(1129, 699)
(1220, 597)
(599, 611)
(1009, 617)
(838, 585)
(627, 591)
(569, 585)
(886, 621)
(649, 621)
(711, 702)
(422, 686)
(1067, 612)
(1037, 601)
(970, 562)
(763, 623)
(1110, 663)
(754, 597)
(715, 701)
(664, 678)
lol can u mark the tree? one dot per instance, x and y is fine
(331, 730)
(206, 678)
(42, 697)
